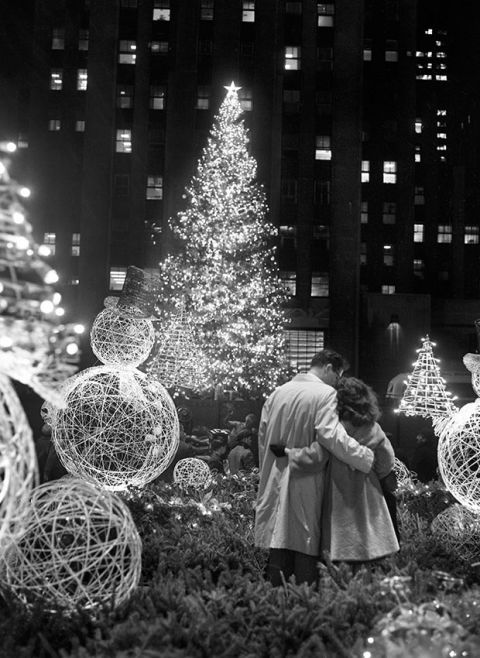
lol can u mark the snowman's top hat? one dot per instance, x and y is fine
(139, 294)
(472, 363)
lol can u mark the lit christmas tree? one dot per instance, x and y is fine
(225, 267)
(35, 347)
(426, 394)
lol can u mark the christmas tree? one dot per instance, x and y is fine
(426, 394)
(35, 346)
(224, 270)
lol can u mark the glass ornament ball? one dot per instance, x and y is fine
(192, 472)
(117, 428)
(121, 340)
(80, 548)
(459, 456)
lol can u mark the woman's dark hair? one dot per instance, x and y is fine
(357, 402)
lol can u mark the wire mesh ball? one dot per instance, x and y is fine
(457, 529)
(121, 340)
(80, 548)
(459, 456)
(192, 472)
(18, 462)
(118, 428)
(405, 477)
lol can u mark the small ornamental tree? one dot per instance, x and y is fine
(224, 271)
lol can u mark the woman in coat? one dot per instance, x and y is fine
(356, 523)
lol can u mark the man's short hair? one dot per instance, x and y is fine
(326, 356)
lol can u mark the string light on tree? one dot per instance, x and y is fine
(426, 394)
(225, 266)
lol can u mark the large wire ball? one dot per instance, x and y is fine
(80, 548)
(192, 472)
(457, 529)
(459, 456)
(18, 462)
(121, 340)
(118, 428)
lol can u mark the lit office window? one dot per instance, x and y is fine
(419, 198)
(418, 154)
(367, 50)
(388, 255)
(471, 235)
(125, 96)
(320, 285)
(364, 212)
(56, 79)
(325, 14)
(365, 171)
(124, 141)
(363, 253)
(292, 58)
(419, 268)
(127, 54)
(161, 10)
(289, 280)
(158, 47)
(154, 188)
(117, 277)
(22, 141)
(245, 98)
(54, 125)
(323, 150)
(389, 215)
(248, 11)
(391, 51)
(444, 234)
(49, 240)
(418, 126)
(58, 38)
(203, 98)
(83, 36)
(206, 10)
(303, 344)
(82, 79)
(418, 230)
(388, 289)
(80, 126)
(389, 171)
(157, 97)
(75, 244)
(74, 282)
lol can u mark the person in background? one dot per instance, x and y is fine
(241, 429)
(424, 459)
(356, 522)
(240, 458)
(299, 428)
(200, 441)
(218, 454)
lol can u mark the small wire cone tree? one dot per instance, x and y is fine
(225, 267)
(426, 394)
(176, 361)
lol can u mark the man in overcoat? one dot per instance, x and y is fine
(299, 419)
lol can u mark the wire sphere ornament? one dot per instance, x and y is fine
(457, 529)
(121, 340)
(459, 456)
(80, 548)
(405, 477)
(192, 472)
(117, 428)
(18, 462)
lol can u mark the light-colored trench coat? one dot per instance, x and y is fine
(301, 415)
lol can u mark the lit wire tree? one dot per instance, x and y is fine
(426, 394)
(224, 269)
